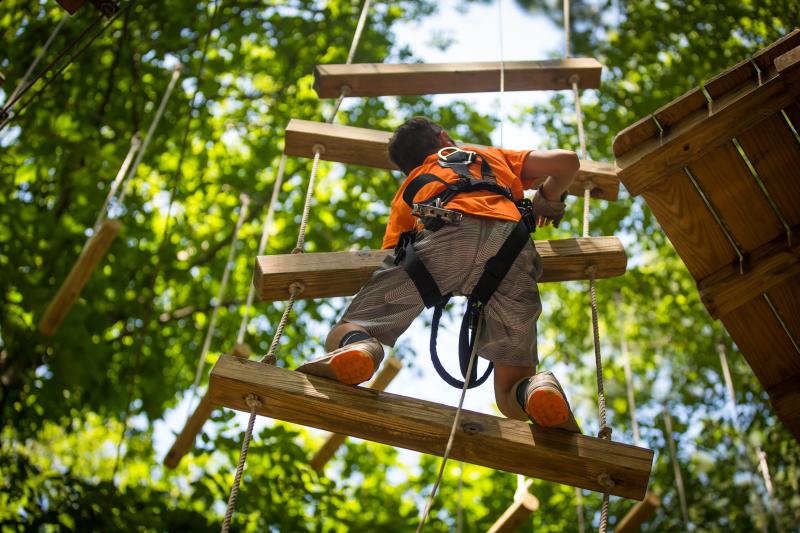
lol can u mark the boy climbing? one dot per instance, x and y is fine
(459, 224)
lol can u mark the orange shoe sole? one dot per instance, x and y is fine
(548, 407)
(352, 367)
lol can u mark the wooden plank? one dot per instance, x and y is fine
(93, 251)
(423, 426)
(766, 57)
(639, 514)
(726, 181)
(72, 5)
(370, 148)
(732, 79)
(185, 439)
(408, 79)
(331, 274)
(785, 398)
(385, 376)
(516, 514)
(700, 133)
(635, 134)
(774, 152)
(767, 267)
(763, 342)
(680, 108)
(689, 225)
(786, 299)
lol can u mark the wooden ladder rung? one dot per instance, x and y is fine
(381, 380)
(329, 274)
(639, 514)
(407, 79)
(513, 517)
(423, 426)
(94, 250)
(370, 148)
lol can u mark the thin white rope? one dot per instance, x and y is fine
(123, 171)
(176, 73)
(451, 438)
(567, 36)
(502, 71)
(626, 366)
(579, 506)
(253, 402)
(460, 509)
(262, 245)
(22, 86)
(676, 468)
(223, 286)
(301, 237)
(362, 20)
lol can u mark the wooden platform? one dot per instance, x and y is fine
(370, 148)
(407, 79)
(94, 250)
(639, 514)
(517, 513)
(331, 274)
(741, 244)
(423, 426)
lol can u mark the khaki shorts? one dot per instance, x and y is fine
(455, 256)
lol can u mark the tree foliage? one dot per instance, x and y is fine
(80, 410)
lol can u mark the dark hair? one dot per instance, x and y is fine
(412, 142)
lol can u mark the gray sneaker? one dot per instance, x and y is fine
(351, 364)
(547, 405)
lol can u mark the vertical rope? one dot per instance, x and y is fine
(626, 365)
(254, 403)
(451, 438)
(176, 73)
(212, 324)
(567, 36)
(460, 509)
(502, 69)
(121, 173)
(579, 505)
(262, 245)
(362, 20)
(675, 466)
(301, 237)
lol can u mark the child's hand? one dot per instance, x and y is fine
(546, 211)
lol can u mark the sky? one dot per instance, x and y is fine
(524, 37)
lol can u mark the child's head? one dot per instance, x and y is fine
(415, 140)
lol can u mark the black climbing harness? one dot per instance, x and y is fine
(433, 216)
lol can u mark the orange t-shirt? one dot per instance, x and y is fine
(507, 168)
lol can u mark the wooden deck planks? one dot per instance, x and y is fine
(366, 147)
(736, 197)
(517, 513)
(424, 426)
(94, 250)
(689, 225)
(387, 373)
(786, 299)
(767, 267)
(772, 148)
(700, 133)
(331, 274)
(409, 79)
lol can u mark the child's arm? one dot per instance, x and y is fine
(557, 168)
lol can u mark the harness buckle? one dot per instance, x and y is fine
(435, 215)
(454, 154)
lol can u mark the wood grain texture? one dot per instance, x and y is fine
(423, 426)
(766, 268)
(72, 5)
(736, 197)
(639, 514)
(699, 133)
(370, 148)
(331, 274)
(93, 251)
(516, 514)
(774, 152)
(768, 56)
(385, 376)
(689, 225)
(407, 79)
(184, 442)
(786, 299)
(764, 343)
(643, 129)
(785, 398)
(681, 107)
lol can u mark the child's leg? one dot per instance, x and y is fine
(506, 380)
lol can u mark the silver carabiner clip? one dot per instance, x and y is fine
(449, 151)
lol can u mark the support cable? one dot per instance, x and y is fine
(223, 286)
(451, 438)
(676, 468)
(295, 288)
(502, 69)
(626, 365)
